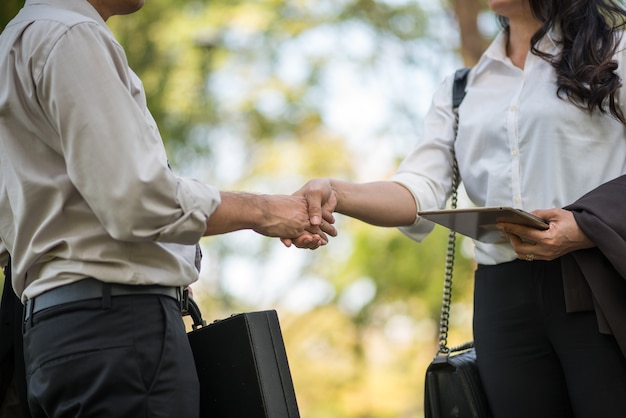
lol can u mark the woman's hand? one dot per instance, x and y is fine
(563, 236)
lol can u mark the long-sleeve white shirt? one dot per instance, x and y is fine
(518, 144)
(85, 188)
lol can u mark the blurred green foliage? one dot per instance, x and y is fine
(8, 9)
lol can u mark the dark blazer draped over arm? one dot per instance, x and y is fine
(596, 278)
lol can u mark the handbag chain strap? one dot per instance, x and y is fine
(458, 93)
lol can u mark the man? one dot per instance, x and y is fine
(102, 233)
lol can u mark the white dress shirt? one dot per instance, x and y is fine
(85, 188)
(518, 143)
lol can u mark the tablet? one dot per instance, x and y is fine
(480, 223)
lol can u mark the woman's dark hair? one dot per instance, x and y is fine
(590, 32)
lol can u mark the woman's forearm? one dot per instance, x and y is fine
(381, 203)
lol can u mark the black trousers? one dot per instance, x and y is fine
(131, 359)
(535, 359)
(13, 403)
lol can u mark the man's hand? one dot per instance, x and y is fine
(288, 216)
(563, 236)
(269, 215)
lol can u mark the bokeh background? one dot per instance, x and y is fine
(262, 95)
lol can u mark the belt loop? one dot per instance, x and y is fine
(28, 314)
(106, 295)
(183, 299)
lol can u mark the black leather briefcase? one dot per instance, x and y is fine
(242, 367)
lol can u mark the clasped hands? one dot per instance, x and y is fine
(321, 201)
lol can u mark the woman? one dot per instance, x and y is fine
(541, 125)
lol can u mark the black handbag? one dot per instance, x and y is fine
(242, 366)
(453, 388)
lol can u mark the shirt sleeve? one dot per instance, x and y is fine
(427, 171)
(111, 146)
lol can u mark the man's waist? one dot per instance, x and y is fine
(90, 288)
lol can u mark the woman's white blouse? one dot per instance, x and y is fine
(518, 143)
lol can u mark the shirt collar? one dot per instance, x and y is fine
(82, 7)
(497, 49)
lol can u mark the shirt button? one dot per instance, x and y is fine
(513, 108)
(517, 199)
(514, 152)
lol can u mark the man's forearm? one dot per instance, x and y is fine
(270, 215)
(236, 212)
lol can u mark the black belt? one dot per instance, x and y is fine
(93, 289)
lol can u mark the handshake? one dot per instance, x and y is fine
(305, 219)
(320, 201)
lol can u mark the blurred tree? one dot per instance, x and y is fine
(473, 43)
